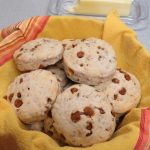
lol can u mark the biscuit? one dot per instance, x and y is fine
(123, 92)
(90, 63)
(88, 118)
(32, 95)
(50, 130)
(38, 54)
(60, 75)
(70, 43)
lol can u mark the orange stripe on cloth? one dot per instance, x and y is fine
(13, 38)
(9, 41)
(143, 142)
(8, 49)
(39, 25)
(31, 23)
(15, 35)
(7, 57)
(8, 30)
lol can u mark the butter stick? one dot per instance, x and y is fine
(101, 7)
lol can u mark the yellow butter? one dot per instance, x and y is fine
(101, 7)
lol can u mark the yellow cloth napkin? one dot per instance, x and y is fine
(131, 56)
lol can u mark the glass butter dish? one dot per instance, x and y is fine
(133, 12)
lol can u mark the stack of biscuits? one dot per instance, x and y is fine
(71, 89)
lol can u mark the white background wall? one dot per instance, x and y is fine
(12, 11)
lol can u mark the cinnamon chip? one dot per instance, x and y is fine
(115, 96)
(64, 45)
(74, 45)
(11, 96)
(5, 97)
(18, 55)
(88, 134)
(18, 103)
(99, 58)
(127, 77)
(19, 95)
(36, 46)
(89, 126)
(123, 91)
(101, 110)
(75, 117)
(115, 80)
(81, 65)
(80, 54)
(21, 49)
(108, 129)
(48, 100)
(73, 90)
(88, 111)
(21, 80)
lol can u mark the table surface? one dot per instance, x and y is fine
(12, 11)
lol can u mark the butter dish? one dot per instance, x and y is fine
(101, 7)
(133, 12)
